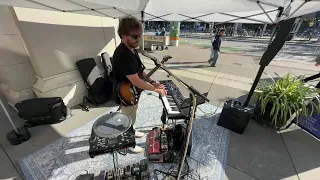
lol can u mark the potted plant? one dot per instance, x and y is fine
(279, 99)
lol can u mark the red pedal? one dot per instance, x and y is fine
(154, 142)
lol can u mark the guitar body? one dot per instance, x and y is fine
(128, 93)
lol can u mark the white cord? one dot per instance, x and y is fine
(10, 120)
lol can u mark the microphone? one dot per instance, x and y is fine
(144, 53)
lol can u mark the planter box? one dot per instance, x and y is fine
(265, 117)
(234, 116)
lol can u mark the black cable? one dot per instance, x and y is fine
(213, 80)
(75, 173)
(125, 152)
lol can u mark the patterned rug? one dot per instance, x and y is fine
(68, 157)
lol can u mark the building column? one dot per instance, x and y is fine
(264, 29)
(235, 29)
(16, 71)
(56, 41)
(174, 33)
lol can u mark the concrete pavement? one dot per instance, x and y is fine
(260, 153)
(298, 51)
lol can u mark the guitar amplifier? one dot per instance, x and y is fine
(234, 116)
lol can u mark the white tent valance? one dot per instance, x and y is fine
(242, 11)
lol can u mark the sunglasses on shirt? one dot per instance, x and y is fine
(135, 36)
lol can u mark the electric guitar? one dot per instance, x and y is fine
(128, 93)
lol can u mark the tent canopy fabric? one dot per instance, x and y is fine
(233, 11)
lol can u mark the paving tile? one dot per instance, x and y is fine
(219, 93)
(234, 174)
(304, 151)
(261, 153)
(237, 61)
(301, 72)
(7, 170)
(274, 71)
(236, 71)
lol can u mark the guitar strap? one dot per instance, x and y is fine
(116, 88)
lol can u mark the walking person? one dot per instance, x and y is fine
(215, 48)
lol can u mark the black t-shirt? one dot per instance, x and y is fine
(125, 62)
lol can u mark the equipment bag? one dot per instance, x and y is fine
(40, 111)
(109, 75)
(99, 89)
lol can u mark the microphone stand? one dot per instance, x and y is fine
(193, 92)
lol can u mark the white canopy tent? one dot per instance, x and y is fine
(235, 11)
(245, 11)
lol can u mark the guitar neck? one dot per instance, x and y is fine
(146, 77)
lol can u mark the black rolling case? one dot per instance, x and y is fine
(99, 89)
(40, 111)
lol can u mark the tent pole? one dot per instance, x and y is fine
(142, 24)
(254, 85)
(246, 17)
(262, 67)
(265, 3)
(298, 8)
(258, 2)
(280, 10)
(288, 8)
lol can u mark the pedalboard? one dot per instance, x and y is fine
(137, 171)
(161, 146)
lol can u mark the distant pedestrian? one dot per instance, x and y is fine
(163, 32)
(215, 48)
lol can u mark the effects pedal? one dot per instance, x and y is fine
(162, 146)
(137, 171)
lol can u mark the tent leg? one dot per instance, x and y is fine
(254, 85)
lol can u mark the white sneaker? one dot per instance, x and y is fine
(136, 149)
(139, 134)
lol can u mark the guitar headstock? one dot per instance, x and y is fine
(165, 58)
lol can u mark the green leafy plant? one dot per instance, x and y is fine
(287, 95)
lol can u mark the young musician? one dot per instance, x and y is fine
(127, 66)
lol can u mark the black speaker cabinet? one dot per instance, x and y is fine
(234, 116)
